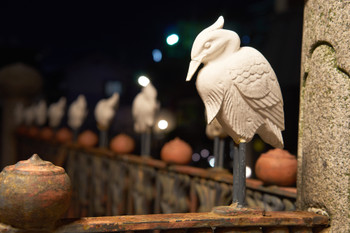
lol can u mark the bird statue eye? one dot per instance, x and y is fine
(207, 45)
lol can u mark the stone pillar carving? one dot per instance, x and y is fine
(324, 123)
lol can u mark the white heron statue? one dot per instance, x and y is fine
(56, 112)
(41, 113)
(104, 112)
(144, 109)
(240, 89)
(77, 113)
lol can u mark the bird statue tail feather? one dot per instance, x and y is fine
(271, 134)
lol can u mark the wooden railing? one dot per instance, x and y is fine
(148, 195)
(110, 184)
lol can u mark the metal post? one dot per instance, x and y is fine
(241, 174)
(216, 151)
(75, 135)
(239, 178)
(148, 143)
(142, 152)
(103, 138)
(235, 173)
(221, 152)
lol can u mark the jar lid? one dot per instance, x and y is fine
(35, 166)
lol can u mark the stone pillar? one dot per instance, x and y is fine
(18, 83)
(324, 124)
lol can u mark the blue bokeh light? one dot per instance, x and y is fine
(157, 55)
(245, 39)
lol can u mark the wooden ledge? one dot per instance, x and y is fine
(190, 220)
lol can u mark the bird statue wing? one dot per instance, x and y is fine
(258, 86)
(212, 96)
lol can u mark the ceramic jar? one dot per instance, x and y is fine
(46, 133)
(33, 131)
(87, 138)
(34, 194)
(122, 144)
(176, 151)
(64, 135)
(277, 167)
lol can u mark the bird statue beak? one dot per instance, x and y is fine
(192, 69)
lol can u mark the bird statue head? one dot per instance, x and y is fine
(211, 43)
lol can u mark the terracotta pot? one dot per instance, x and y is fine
(176, 151)
(64, 135)
(21, 130)
(46, 133)
(34, 194)
(122, 144)
(277, 167)
(33, 131)
(87, 138)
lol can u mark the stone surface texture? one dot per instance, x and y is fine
(324, 123)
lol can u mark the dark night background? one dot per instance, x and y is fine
(80, 46)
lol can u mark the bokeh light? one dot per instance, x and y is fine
(157, 55)
(248, 172)
(163, 124)
(172, 39)
(196, 157)
(245, 39)
(143, 80)
(211, 161)
(205, 153)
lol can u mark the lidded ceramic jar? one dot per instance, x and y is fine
(176, 151)
(34, 194)
(64, 135)
(277, 167)
(87, 138)
(122, 144)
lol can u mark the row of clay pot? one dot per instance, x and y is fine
(175, 151)
(277, 166)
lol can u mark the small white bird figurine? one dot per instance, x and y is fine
(77, 112)
(237, 85)
(29, 115)
(19, 114)
(41, 113)
(144, 108)
(56, 112)
(105, 111)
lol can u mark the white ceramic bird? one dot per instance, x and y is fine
(144, 108)
(19, 112)
(29, 115)
(56, 112)
(77, 112)
(105, 111)
(41, 113)
(237, 85)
